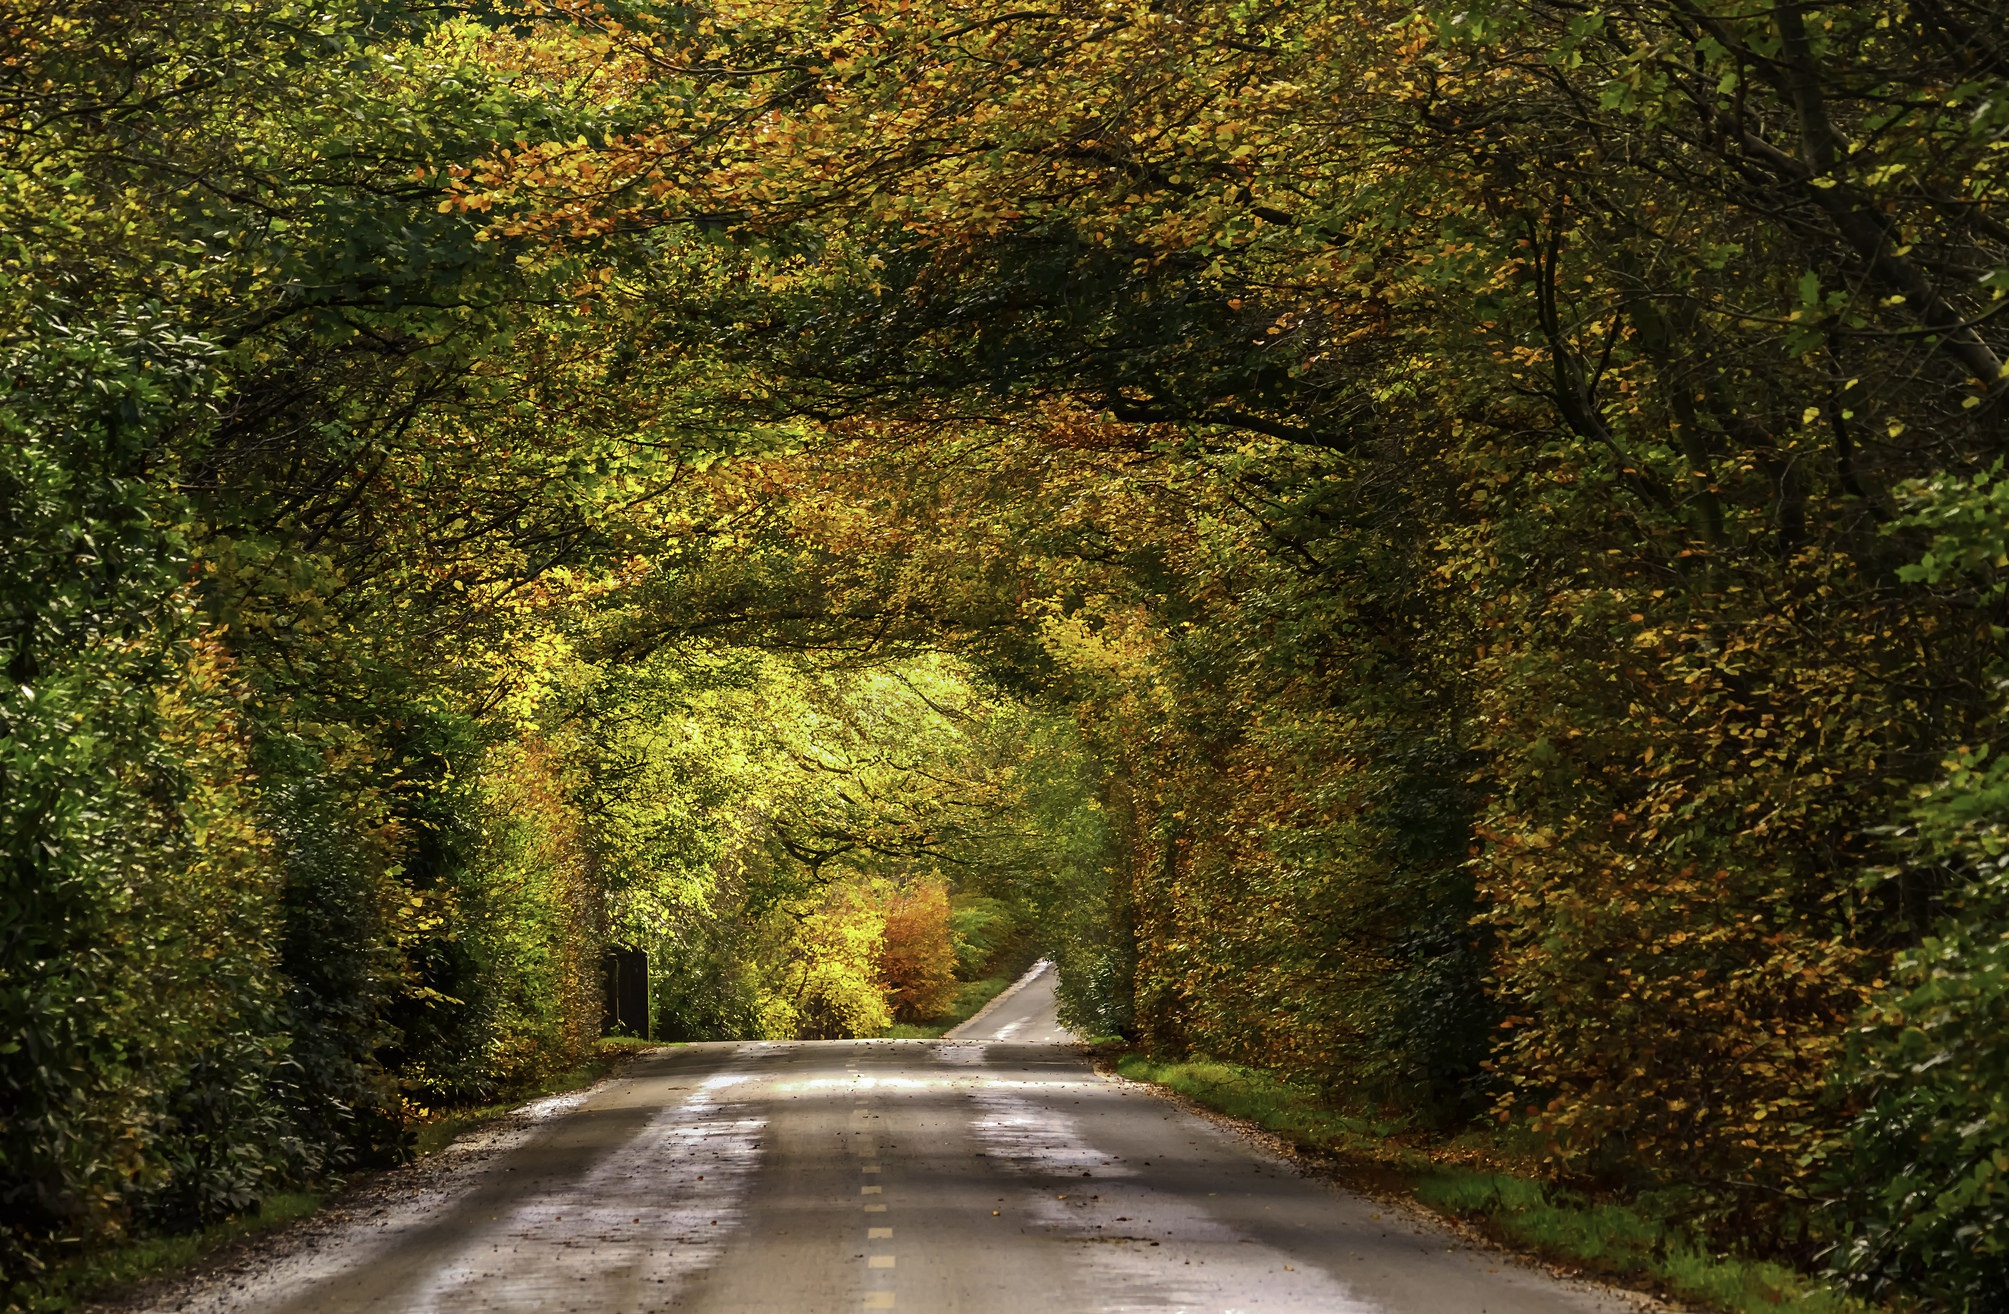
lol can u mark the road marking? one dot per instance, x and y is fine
(879, 1234)
(869, 1168)
(875, 1209)
(879, 1261)
(879, 1300)
(871, 1190)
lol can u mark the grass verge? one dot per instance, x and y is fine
(971, 997)
(1611, 1238)
(72, 1281)
(100, 1273)
(437, 1132)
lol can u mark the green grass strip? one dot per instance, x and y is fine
(972, 996)
(1609, 1238)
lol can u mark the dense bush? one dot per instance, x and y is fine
(1926, 1175)
(216, 818)
(917, 954)
(131, 1015)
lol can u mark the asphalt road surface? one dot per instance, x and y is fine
(1028, 1013)
(967, 1175)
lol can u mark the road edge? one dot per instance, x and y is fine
(173, 1285)
(1388, 1187)
(1031, 974)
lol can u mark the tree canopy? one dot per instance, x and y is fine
(1452, 553)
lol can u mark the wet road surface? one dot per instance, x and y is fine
(955, 1175)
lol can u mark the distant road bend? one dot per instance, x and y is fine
(991, 1172)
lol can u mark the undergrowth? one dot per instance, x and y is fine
(70, 1281)
(74, 1281)
(441, 1130)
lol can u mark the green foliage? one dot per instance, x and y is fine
(134, 868)
(231, 315)
(804, 851)
(1929, 1186)
(983, 929)
(1963, 522)
(1932, 1150)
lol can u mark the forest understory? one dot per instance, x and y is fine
(1452, 559)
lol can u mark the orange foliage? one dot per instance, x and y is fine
(917, 958)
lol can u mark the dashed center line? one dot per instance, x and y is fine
(868, 1155)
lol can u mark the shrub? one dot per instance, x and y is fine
(917, 957)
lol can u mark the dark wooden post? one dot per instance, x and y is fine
(627, 1011)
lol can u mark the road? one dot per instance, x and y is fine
(1028, 1013)
(982, 1177)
